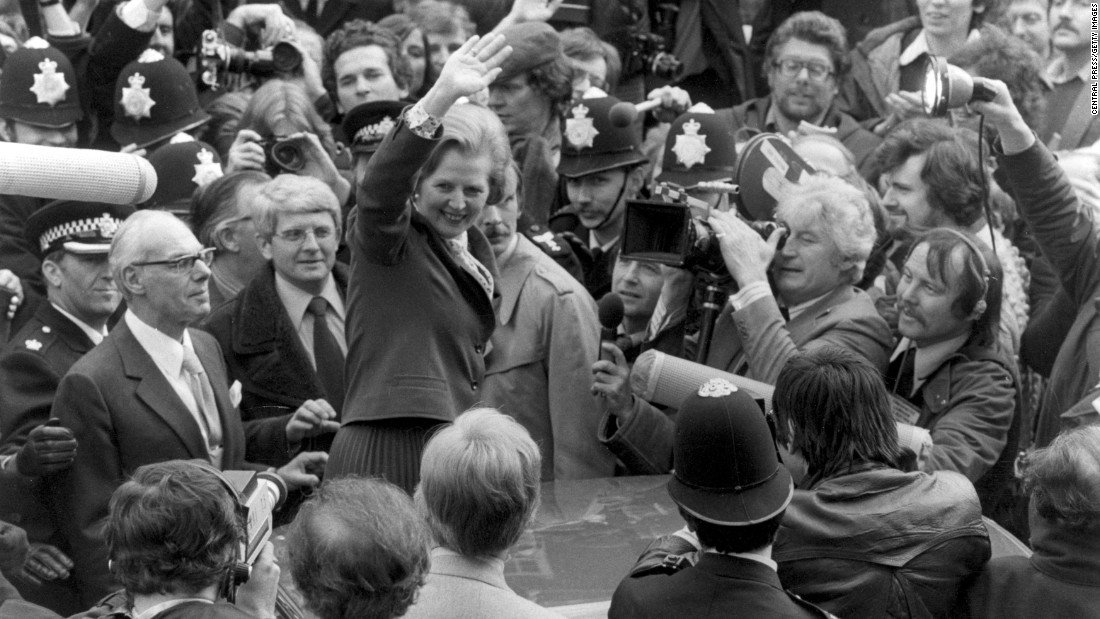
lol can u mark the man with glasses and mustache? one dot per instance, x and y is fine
(71, 239)
(806, 59)
(1070, 121)
(154, 390)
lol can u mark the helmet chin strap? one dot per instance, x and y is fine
(618, 199)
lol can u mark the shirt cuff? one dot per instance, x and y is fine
(421, 122)
(136, 15)
(750, 294)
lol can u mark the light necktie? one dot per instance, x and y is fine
(204, 399)
(327, 354)
(472, 266)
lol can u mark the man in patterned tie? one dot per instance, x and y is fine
(153, 390)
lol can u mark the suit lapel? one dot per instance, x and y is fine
(154, 390)
(802, 327)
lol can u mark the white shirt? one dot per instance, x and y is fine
(95, 336)
(920, 46)
(296, 302)
(167, 354)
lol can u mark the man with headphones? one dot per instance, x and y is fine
(949, 375)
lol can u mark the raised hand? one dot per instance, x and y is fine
(471, 68)
(533, 10)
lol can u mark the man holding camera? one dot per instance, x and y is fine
(829, 235)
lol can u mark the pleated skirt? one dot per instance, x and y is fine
(389, 448)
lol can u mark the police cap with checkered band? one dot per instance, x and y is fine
(75, 227)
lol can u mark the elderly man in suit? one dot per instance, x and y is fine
(830, 234)
(154, 390)
(72, 239)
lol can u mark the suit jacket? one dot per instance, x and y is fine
(540, 365)
(460, 587)
(756, 342)
(418, 323)
(716, 586)
(125, 414)
(263, 351)
(337, 12)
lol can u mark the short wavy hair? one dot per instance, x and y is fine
(554, 80)
(172, 528)
(361, 33)
(981, 278)
(1063, 479)
(583, 43)
(358, 550)
(280, 108)
(479, 483)
(290, 194)
(841, 211)
(218, 202)
(474, 131)
(837, 407)
(951, 174)
(1000, 56)
(817, 28)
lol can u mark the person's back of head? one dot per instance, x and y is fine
(173, 528)
(358, 550)
(837, 408)
(1063, 480)
(479, 483)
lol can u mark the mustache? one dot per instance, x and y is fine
(1066, 25)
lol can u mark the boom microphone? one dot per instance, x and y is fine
(75, 174)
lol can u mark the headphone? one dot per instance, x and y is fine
(981, 306)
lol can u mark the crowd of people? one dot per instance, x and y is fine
(416, 259)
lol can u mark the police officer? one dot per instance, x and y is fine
(182, 167)
(71, 239)
(155, 98)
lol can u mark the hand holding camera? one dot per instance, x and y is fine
(746, 254)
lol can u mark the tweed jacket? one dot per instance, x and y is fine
(460, 587)
(263, 352)
(124, 414)
(417, 323)
(875, 71)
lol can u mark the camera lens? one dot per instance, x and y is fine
(285, 57)
(288, 155)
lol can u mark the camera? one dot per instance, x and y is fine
(216, 57)
(667, 233)
(283, 155)
(647, 53)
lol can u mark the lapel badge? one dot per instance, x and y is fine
(579, 130)
(135, 99)
(49, 85)
(716, 388)
(206, 170)
(33, 345)
(691, 147)
(107, 226)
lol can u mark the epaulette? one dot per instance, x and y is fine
(39, 340)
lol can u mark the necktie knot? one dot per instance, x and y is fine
(191, 363)
(317, 306)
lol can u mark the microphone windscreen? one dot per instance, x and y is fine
(667, 380)
(610, 310)
(75, 174)
(622, 114)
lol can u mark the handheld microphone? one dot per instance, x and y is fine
(610, 311)
(75, 174)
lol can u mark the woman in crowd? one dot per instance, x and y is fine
(414, 47)
(420, 293)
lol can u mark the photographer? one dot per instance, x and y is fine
(831, 233)
(173, 535)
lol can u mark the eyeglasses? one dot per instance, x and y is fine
(183, 264)
(298, 236)
(791, 68)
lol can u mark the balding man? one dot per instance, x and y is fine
(153, 390)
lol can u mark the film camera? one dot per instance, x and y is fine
(647, 53)
(668, 233)
(283, 155)
(217, 57)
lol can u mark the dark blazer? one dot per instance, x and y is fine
(125, 414)
(418, 323)
(716, 586)
(336, 12)
(263, 351)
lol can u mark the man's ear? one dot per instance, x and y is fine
(131, 280)
(51, 271)
(265, 247)
(225, 239)
(635, 180)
